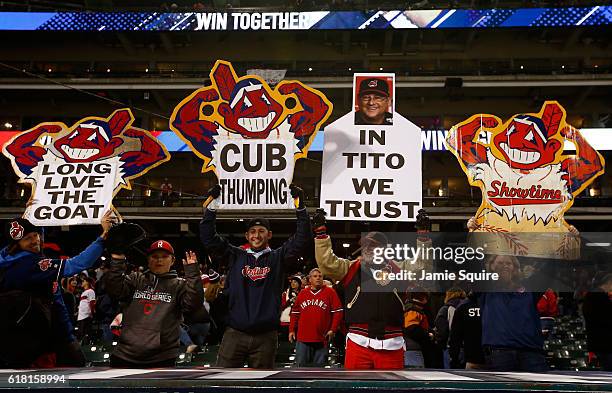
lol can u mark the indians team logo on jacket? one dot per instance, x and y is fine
(247, 107)
(16, 231)
(526, 181)
(94, 139)
(255, 273)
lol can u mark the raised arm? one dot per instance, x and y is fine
(192, 298)
(120, 286)
(91, 254)
(296, 245)
(212, 241)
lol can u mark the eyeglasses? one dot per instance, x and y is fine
(373, 98)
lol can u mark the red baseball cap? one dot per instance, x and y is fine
(160, 245)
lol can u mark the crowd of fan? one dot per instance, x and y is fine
(254, 303)
(448, 336)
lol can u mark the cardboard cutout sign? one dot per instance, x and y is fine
(526, 181)
(250, 135)
(75, 171)
(372, 159)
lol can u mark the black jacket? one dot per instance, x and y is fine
(152, 317)
(466, 333)
(597, 310)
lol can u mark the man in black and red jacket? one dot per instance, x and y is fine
(254, 283)
(374, 316)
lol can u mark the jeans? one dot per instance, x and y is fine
(107, 334)
(605, 360)
(414, 359)
(184, 337)
(310, 353)
(198, 333)
(509, 359)
(256, 349)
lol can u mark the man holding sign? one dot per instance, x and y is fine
(254, 283)
(35, 323)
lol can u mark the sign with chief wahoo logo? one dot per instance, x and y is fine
(527, 182)
(76, 170)
(250, 135)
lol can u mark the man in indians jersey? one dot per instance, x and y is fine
(316, 313)
(255, 280)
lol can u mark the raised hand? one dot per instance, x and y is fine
(190, 258)
(297, 193)
(107, 222)
(319, 223)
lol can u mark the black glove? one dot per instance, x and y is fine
(121, 237)
(318, 222)
(423, 223)
(297, 192)
(213, 192)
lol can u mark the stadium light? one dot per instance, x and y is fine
(346, 245)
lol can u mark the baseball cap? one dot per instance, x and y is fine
(374, 85)
(373, 238)
(17, 228)
(160, 245)
(259, 221)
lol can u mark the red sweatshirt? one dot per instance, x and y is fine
(315, 313)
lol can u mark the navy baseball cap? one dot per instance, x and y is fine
(374, 86)
(264, 222)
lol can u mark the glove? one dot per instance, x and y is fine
(213, 192)
(121, 237)
(319, 223)
(423, 223)
(297, 192)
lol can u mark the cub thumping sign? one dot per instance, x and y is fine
(75, 171)
(250, 135)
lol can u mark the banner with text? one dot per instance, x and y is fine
(70, 193)
(526, 180)
(250, 135)
(76, 170)
(372, 159)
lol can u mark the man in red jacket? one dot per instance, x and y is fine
(317, 313)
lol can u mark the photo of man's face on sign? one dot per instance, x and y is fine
(373, 99)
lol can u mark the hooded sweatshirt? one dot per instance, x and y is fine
(255, 279)
(152, 317)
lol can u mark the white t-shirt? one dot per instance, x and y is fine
(84, 309)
